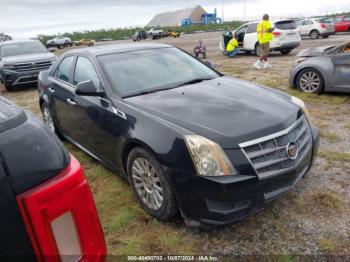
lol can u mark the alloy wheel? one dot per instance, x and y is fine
(147, 183)
(48, 119)
(310, 82)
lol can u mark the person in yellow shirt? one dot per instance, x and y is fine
(232, 47)
(265, 36)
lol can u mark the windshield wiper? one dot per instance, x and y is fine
(146, 92)
(194, 81)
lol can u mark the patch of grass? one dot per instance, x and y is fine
(328, 199)
(331, 156)
(347, 126)
(271, 83)
(122, 218)
(328, 245)
(330, 136)
(330, 99)
(299, 202)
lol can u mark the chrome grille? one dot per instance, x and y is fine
(30, 66)
(268, 155)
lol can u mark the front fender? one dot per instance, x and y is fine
(322, 64)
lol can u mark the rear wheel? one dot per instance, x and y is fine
(310, 80)
(314, 34)
(48, 119)
(258, 49)
(151, 184)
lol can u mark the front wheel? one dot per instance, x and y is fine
(151, 184)
(286, 51)
(310, 80)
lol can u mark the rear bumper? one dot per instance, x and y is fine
(284, 46)
(223, 200)
(15, 78)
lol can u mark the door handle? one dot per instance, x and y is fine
(51, 90)
(71, 102)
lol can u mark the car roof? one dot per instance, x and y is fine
(116, 48)
(18, 41)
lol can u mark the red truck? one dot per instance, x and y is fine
(342, 24)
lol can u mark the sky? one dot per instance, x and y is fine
(28, 18)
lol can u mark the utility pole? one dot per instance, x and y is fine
(245, 8)
(222, 6)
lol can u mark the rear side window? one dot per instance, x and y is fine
(84, 71)
(64, 69)
(308, 22)
(324, 20)
(252, 28)
(286, 25)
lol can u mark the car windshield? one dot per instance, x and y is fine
(140, 72)
(22, 48)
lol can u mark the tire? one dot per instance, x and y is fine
(258, 50)
(154, 192)
(325, 36)
(286, 51)
(9, 88)
(308, 76)
(314, 34)
(50, 123)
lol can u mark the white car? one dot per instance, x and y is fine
(59, 41)
(316, 27)
(286, 37)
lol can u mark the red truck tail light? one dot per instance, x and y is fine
(277, 34)
(61, 218)
(323, 25)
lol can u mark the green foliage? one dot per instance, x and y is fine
(125, 33)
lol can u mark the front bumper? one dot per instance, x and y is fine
(15, 78)
(222, 200)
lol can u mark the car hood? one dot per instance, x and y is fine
(226, 110)
(28, 58)
(316, 51)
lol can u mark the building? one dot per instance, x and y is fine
(176, 18)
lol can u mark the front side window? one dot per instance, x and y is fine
(85, 70)
(132, 73)
(64, 69)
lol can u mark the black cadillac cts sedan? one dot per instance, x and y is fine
(188, 138)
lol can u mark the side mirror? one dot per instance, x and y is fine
(209, 63)
(87, 88)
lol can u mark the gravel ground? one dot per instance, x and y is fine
(314, 218)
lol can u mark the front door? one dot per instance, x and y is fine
(100, 126)
(341, 71)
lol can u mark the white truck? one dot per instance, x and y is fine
(155, 33)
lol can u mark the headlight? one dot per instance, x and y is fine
(9, 66)
(208, 157)
(301, 104)
(300, 60)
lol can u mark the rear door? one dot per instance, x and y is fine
(251, 37)
(341, 71)
(63, 93)
(306, 27)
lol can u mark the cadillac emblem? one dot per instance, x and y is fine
(292, 150)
